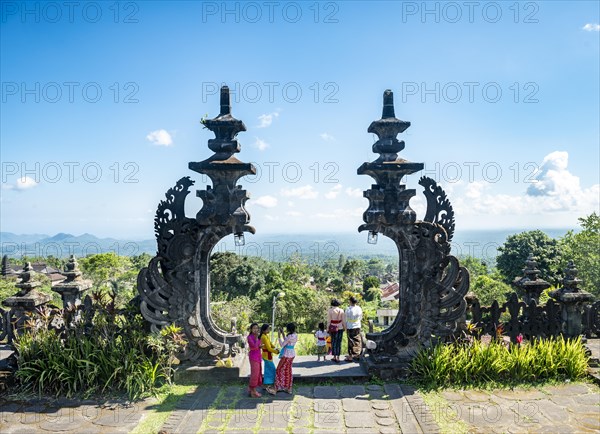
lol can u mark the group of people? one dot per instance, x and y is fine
(349, 321)
(262, 350)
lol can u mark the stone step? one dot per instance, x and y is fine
(305, 369)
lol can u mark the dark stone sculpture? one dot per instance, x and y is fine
(572, 301)
(73, 286)
(530, 282)
(175, 287)
(24, 302)
(432, 283)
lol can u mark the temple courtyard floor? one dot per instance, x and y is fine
(326, 408)
(328, 398)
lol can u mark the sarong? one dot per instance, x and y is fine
(283, 375)
(269, 377)
(354, 343)
(255, 373)
(336, 342)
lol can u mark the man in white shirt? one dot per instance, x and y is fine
(353, 320)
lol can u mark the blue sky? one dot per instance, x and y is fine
(504, 102)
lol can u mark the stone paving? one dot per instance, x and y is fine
(568, 408)
(349, 408)
(70, 416)
(312, 409)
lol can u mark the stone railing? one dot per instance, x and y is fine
(28, 307)
(569, 312)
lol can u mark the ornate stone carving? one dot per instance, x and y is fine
(530, 282)
(24, 302)
(73, 286)
(572, 301)
(175, 287)
(432, 283)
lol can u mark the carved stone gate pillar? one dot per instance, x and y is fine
(432, 284)
(175, 287)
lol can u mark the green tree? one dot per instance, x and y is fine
(338, 285)
(371, 282)
(301, 305)
(104, 268)
(488, 289)
(511, 260)
(243, 309)
(352, 270)
(341, 262)
(475, 266)
(373, 294)
(233, 276)
(583, 249)
(376, 267)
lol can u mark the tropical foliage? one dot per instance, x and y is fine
(480, 364)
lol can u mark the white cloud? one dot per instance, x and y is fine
(293, 213)
(291, 204)
(341, 214)
(327, 137)
(266, 201)
(475, 189)
(354, 192)
(25, 183)
(261, 145)
(267, 119)
(553, 178)
(334, 192)
(555, 190)
(591, 27)
(271, 218)
(306, 192)
(160, 138)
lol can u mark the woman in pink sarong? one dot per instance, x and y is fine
(255, 358)
(283, 375)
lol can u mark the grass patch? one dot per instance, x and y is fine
(168, 397)
(443, 413)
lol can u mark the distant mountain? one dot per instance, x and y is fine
(57, 238)
(314, 248)
(64, 244)
(9, 237)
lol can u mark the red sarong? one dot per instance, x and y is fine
(283, 375)
(255, 373)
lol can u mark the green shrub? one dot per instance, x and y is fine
(478, 364)
(112, 354)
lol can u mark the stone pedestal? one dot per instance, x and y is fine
(27, 300)
(530, 283)
(73, 286)
(572, 301)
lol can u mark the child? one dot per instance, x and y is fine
(321, 336)
(255, 358)
(267, 355)
(283, 374)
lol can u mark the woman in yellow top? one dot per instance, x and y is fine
(267, 354)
